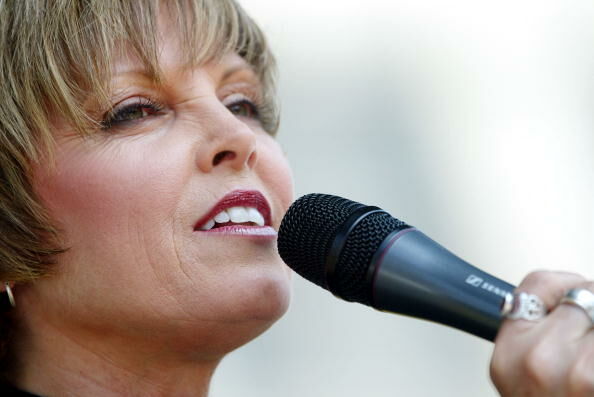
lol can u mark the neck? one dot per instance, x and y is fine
(53, 362)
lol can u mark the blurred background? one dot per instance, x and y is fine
(470, 119)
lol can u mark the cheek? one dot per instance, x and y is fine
(102, 196)
(276, 172)
(114, 209)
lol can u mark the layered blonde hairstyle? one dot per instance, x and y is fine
(54, 55)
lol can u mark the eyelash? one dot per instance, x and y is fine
(118, 116)
(252, 108)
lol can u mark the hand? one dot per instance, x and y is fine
(550, 357)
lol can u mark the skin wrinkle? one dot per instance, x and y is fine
(188, 276)
(185, 272)
(143, 80)
(152, 265)
(179, 261)
(105, 358)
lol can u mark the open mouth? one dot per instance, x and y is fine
(245, 208)
(244, 216)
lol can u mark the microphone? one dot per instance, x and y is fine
(362, 254)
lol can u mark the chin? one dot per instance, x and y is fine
(258, 308)
(249, 305)
(267, 297)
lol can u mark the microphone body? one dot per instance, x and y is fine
(362, 254)
(413, 275)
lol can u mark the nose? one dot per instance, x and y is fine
(231, 143)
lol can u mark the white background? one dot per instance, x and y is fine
(470, 119)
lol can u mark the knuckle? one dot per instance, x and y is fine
(589, 285)
(539, 367)
(537, 276)
(534, 371)
(497, 368)
(501, 372)
(580, 379)
(540, 278)
(550, 286)
(551, 278)
(572, 278)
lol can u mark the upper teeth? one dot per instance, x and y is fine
(235, 215)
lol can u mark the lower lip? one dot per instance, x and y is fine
(254, 232)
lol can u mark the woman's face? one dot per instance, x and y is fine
(131, 201)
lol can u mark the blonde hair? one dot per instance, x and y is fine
(53, 53)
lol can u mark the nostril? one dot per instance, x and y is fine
(252, 160)
(224, 155)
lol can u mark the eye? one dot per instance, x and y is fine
(244, 108)
(128, 111)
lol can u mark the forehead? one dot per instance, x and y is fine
(171, 55)
(170, 64)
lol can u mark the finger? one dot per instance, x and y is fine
(568, 322)
(549, 286)
(575, 316)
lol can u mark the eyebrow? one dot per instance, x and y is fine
(238, 68)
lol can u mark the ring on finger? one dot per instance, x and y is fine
(581, 298)
(523, 306)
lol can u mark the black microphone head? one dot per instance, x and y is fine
(330, 241)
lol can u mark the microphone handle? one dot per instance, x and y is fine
(413, 275)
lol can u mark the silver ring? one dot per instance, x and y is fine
(523, 306)
(581, 298)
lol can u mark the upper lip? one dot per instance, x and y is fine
(237, 198)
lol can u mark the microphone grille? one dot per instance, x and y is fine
(350, 275)
(308, 230)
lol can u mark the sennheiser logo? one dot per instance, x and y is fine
(475, 281)
(478, 282)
